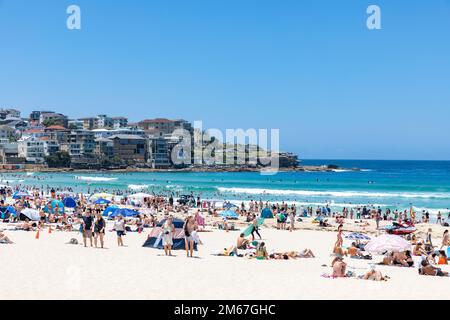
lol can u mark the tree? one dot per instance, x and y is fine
(60, 159)
(53, 122)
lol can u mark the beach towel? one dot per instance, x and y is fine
(158, 240)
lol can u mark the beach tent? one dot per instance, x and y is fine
(266, 213)
(229, 214)
(387, 242)
(124, 212)
(69, 202)
(102, 201)
(20, 194)
(154, 239)
(31, 214)
(54, 203)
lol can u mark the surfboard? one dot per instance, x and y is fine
(248, 231)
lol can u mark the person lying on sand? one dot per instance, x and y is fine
(428, 270)
(26, 226)
(374, 275)
(4, 239)
(307, 253)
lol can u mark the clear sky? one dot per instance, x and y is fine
(310, 68)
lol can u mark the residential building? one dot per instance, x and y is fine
(80, 143)
(104, 147)
(119, 122)
(162, 127)
(130, 148)
(56, 118)
(159, 155)
(32, 149)
(9, 113)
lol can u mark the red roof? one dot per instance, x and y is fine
(55, 128)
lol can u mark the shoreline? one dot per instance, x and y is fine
(193, 170)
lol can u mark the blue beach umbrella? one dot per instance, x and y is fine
(102, 201)
(229, 205)
(357, 236)
(53, 204)
(69, 202)
(110, 210)
(20, 194)
(229, 214)
(124, 213)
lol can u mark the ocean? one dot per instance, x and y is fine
(425, 185)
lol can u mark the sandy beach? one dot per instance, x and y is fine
(48, 268)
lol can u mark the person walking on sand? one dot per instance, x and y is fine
(255, 228)
(119, 226)
(87, 222)
(188, 227)
(292, 220)
(99, 230)
(340, 240)
(168, 231)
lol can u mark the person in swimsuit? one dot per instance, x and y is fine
(4, 238)
(340, 240)
(189, 226)
(99, 230)
(242, 242)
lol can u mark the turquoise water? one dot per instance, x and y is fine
(393, 184)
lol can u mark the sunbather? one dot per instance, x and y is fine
(4, 238)
(428, 270)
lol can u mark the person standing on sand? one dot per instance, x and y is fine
(340, 240)
(168, 231)
(255, 228)
(99, 230)
(188, 227)
(119, 226)
(292, 220)
(439, 218)
(87, 228)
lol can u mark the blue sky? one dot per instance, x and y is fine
(310, 68)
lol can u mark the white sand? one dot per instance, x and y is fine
(50, 269)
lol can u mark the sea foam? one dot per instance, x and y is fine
(96, 179)
(337, 194)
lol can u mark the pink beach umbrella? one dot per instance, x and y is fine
(387, 242)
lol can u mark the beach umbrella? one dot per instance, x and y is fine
(20, 194)
(109, 210)
(124, 212)
(229, 205)
(229, 214)
(69, 202)
(103, 195)
(387, 242)
(11, 210)
(357, 236)
(31, 214)
(102, 201)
